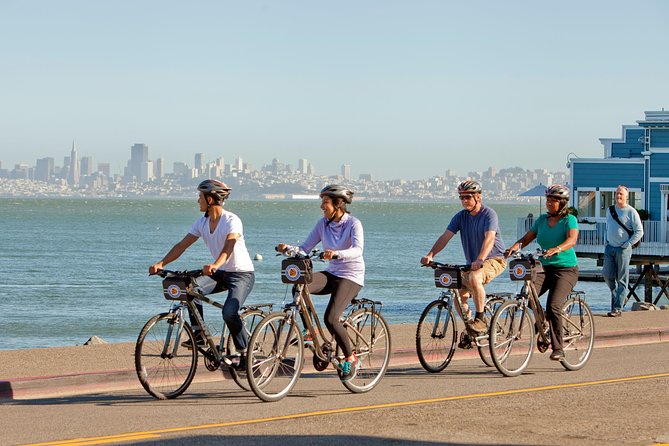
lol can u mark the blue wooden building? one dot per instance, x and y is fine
(640, 161)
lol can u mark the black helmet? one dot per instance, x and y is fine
(217, 189)
(338, 191)
(558, 191)
(469, 187)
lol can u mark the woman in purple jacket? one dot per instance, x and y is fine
(342, 240)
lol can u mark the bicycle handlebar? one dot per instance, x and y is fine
(435, 265)
(294, 252)
(191, 273)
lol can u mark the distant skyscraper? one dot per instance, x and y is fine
(146, 173)
(139, 154)
(199, 164)
(159, 168)
(302, 166)
(44, 169)
(86, 165)
(346, 171)
(105, 168)
(239, 164)
(73, 173)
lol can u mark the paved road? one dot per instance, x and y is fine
(621, 397)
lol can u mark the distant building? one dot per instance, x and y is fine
(105, 169)
(86, 166)
(365, 177)
(73, 172)
(139, 154)
(302, 166)
(346, 171)
(159, 168)
(44, 169)
(199, 164)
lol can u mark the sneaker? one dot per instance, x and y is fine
(348, 368)
(615, 313)
(236, 361)
(478, 326)
(199, 341)
(308, 340)
(557, 355)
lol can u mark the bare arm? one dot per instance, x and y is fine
(524, 241)
(174, 253)
(486, 247)
(440, 244)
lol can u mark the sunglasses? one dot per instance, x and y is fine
(466, 197)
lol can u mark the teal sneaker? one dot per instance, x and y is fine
(348, 368)
(308, 341)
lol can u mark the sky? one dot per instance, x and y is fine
(398, 89)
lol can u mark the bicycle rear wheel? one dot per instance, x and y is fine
(578, 333)
(166, 356)
(436, 336)
(274, 357)
(511, 338)
(483, 346)
(250, 321)
(370, 340)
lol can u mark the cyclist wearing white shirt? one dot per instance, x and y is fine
(232, 268)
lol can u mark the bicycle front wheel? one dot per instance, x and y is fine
(166, 356)
(250, 321)
(370, 340)
(274, 357)
(436, 336)
(578, 333)
(511, 338)
(483, 342)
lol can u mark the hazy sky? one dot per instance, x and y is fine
(393, 88)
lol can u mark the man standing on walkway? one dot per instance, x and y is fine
(623, 229)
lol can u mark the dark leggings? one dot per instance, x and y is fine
(559, 282)
(342, 292)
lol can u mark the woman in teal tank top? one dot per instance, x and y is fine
(557, 233)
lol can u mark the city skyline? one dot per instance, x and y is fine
(407, 88)
(140, 160)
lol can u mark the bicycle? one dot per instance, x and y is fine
(166, 352)
(437, 332)
(513, 326)
(276, 350)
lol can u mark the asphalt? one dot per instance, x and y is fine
(66, 371)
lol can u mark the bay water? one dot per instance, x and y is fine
(73, 268)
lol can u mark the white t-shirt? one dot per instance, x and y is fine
(240, 260)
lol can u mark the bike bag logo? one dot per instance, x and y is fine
(522, 269)
(447, 277)
(296, 271)
(293, 273)
(174, 291)
(445, 280)
(175, 288)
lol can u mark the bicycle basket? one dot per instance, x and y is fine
(523, 269)
(296, 271)
(447, 277)
(176, 288)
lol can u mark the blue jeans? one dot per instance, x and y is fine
(616, 273)
(239, 286)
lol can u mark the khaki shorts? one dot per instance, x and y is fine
(491, 268)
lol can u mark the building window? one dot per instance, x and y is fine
(635, 200)
(586, 204)
(606, 199)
